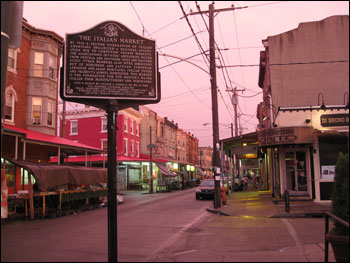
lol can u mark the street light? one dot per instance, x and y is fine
(222, 124)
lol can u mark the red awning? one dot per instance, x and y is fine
(37, 137)
(148, 159)
(99, 158)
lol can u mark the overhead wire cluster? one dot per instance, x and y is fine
(226, 75)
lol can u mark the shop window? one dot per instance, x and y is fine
(329, 149)
(25, 179)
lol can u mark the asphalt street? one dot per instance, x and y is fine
(164, 227)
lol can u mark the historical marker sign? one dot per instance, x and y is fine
(109, 61)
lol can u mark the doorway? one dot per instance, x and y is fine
(296, 165)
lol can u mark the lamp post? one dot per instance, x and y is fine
(222, 124)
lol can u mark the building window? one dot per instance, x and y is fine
(104, 145)
(126, 147)
(137, 129)
(9, 107)
(50, 113)
(125, 124)
(36, 112)
(73, 127)
(132, 148)
(38, 64)
(12, 58)
(52, 73)
(104, 124)
(131, 127)
(137, 149)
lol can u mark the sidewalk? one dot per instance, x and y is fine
(260, 204)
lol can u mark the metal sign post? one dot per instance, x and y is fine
(112, 68)
(112, 111)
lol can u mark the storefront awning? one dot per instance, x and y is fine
(99, 159)
(200, 171)
(164, 170)
(67, 146)
(52, 175)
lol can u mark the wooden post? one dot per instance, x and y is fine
(26, 207)
(30, 193)
(44, 206)
(60, 202)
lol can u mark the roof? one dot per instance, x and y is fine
(70, 147)
(239, 140)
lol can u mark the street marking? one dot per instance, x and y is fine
(292, 232)
(175, 237)
(184, 252)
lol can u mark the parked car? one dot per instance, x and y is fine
(206, 189)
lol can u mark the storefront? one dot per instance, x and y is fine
(242, 156)
(306, 154)
(287, 152)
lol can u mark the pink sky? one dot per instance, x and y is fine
(186, 96)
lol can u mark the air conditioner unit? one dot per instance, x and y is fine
(36, 120)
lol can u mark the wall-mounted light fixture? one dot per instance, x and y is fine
(307, 121)
(346, 102)
(323, 107)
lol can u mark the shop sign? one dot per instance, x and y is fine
(286, 135)
(333, 120)
(109, 61)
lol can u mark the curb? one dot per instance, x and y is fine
(297, 215)
(218, 212)
(284, 215)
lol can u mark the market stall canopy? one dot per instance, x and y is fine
(66, 146)
(51, 175)
(164, 170)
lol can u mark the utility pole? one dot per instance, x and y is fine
(214, 98)
(234, 101)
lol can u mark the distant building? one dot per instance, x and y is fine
(205, 157)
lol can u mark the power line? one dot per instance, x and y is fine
(180, 40)
(283, 2)
(189, 24)
(288, 64)
(166, 26)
